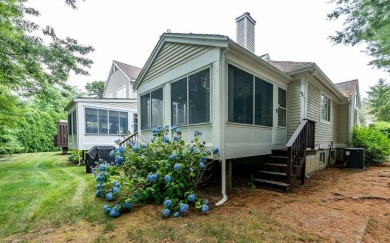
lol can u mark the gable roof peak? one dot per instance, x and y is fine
(348, 88)
(130, 71)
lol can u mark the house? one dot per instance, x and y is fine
(247, 105)
(101, 121)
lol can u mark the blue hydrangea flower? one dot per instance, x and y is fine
(127, 204)
(178, 131)
(203, 159)
(191, 197)
(206, 202)
(173, 128)
(106, 208)
(114, 213)
(136, 148)
(100, 178)
(102, 168)
(205, 208)
(136, 195)
(151, 177)
(119, 158)
(167, 203)
(116, 184)
(115, 189)
(109, 196)
(176, 214)
(201, 165)
(197, 133)
(183, 208)
(216, 150)
(98, 193)
(176, 138)
(192, 170)
(173, 156)
(111, 154)
(121, 149)
(144, 145)
(166, 140)
(177, 166)
(99, 186)
(167, 178)
(166, 212)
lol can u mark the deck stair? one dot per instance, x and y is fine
(285, 168)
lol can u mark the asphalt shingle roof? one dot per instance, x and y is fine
(131, 71)
(347, 87)
(288, 66)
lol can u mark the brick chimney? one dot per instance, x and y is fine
(246, 31)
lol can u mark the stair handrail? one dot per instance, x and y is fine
(133, 137)
(302, 138)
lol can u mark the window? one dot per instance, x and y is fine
(70, 124)
(152, 109)
(325, 108)
(99, 121)
(322, 158)
(135, 122)
(190, 99)
(250, 98)
(282, 105)
(74, 125)
(121, 93)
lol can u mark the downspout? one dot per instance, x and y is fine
(222, 71)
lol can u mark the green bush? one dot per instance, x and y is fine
(383, 127)
(374, 142)
(165, 171)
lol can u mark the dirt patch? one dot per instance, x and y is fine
(334, 205)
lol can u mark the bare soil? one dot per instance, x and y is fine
(334, 205)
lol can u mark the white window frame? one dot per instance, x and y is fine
(149, 115)
(330, 109)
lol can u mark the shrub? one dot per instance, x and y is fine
(375, 144)
(383, 127)
(165, 171)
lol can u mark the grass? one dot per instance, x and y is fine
(42, 191)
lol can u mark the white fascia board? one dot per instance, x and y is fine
(208, 40)
(259, 60)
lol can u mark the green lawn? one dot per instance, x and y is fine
(44, 198)
(42, 189)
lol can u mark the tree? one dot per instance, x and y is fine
(33, 59)
(379, 100)
(367, 21)
(95, 89)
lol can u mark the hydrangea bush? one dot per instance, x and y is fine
(166, 171)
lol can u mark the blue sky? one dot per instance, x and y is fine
(127, 31)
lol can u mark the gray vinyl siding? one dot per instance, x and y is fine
(172, 55)
(116, 81)
(342, 123)
(293, 106)
(324, 130)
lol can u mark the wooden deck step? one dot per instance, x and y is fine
(276, 164)
(278, 157)
(273, 173)
(276, 183)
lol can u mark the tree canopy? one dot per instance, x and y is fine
(95, 89)
(33, 59)
(366, 21)
(379, 100)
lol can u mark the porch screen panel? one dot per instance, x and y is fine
(145, 111)
(240, 96)
(157, 108)
(70, 124)
(123, 122)
(199, 97)
(263, 102)
(74, 118)
(179, 102)
(103, 121)
(91, 125)
(135, 122)
(114, 122)
(282, 105)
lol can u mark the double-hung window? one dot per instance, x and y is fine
(190, 99)
(250, 98)
(282, 105)
(152, 105)
(325, 108)
(72, 125)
